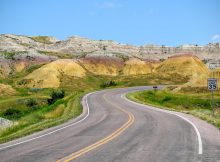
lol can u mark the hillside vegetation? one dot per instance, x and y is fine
(195, 104)
(185, 69)
(48, 76)
(29, 84)
(186, 65)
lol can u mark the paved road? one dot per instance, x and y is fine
(115, 129)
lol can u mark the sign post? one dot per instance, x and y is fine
(212, 86)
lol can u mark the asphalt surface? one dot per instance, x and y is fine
(115, 129)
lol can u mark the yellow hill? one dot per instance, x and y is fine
(19, 66)
(186, 65)
(5, 69)
(48, 76)
(6, 90)
(136, 66)
(102, 65)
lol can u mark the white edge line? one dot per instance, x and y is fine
(166, 111)
(49, 133)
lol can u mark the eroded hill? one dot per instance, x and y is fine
(181, 69)
(45, 62)
(80, 47)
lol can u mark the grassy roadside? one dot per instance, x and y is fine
(57, 113)
(30, 119)
(195, 104)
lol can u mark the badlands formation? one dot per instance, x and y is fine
(47, 60)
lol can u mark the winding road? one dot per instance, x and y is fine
(114, 129)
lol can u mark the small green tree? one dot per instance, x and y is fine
(12, 113)
(108, 84)
(56, 95)
(31, 102)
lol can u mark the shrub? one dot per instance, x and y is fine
(108, 84)
(55, 95)
(162, 59)
(12, 113)
(32, 103)
(9, 55)
(150, 93)
(166, 98)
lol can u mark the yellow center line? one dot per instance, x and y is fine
(103, 141)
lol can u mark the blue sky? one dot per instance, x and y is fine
(139, 22)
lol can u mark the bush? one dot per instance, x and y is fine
(166, 98)
(32, 103)
(108, 84)
(42, 39)
(12, 113)
(56, 95)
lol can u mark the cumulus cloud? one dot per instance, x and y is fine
(215, 37)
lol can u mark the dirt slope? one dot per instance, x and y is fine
(6, 90)
(136, 66)
(102, 65)
(49, 75)
(186, 65)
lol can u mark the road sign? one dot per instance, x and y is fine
(212, 84)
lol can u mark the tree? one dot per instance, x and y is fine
(56, 95)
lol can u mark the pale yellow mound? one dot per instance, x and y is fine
(57, 112)
(48, 76)
(19, 66)
(6, 90)
(135, 66)
(5, 69)
(102, 65)
(187, 66)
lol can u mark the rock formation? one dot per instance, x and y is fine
(78, 46)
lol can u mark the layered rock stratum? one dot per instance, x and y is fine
(78, 46)
(79, 57)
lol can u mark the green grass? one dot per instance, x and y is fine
(31, 68)
(37, 120)
(57, 54)
(121, 55)
(10, 55)
(41, 39)
(29, 119)
(45, 116)
(26, 44)
(197, 104)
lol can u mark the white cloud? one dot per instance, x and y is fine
(215, 37)
(106, 5)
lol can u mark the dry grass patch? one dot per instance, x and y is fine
(187, 65)
(48, 76)
(57, 112)
(6, 90)
(136, 66)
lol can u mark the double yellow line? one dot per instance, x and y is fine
(103, 141)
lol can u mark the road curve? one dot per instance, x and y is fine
(115, 129)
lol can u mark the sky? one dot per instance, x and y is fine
(137, 22)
